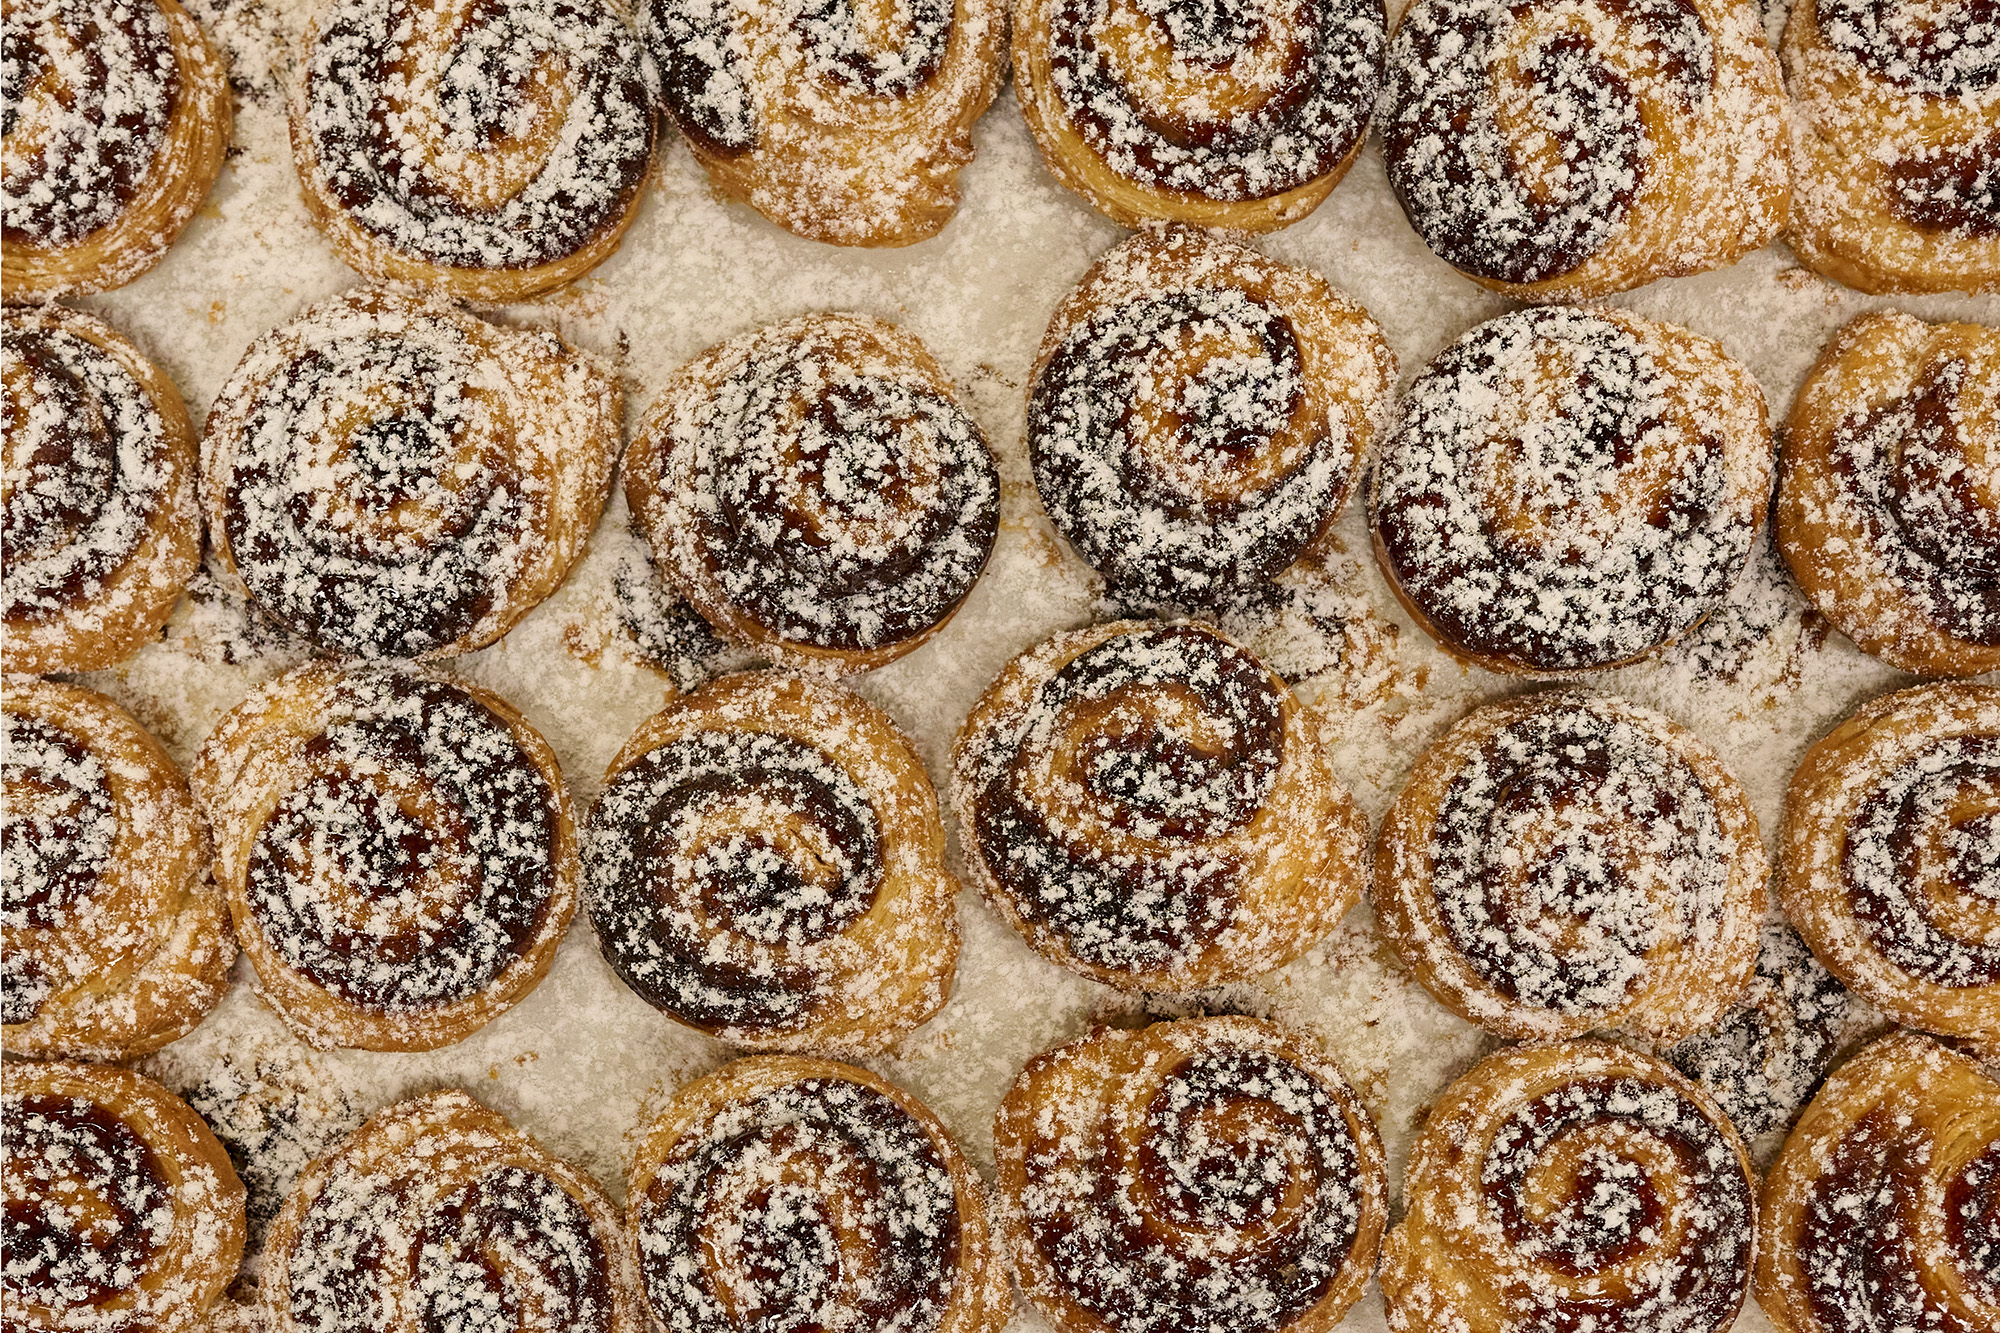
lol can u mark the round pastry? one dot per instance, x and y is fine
(1564, 151)
(398, 852)
(784, 1193)
(1889, 505)
(1216, 1173)
(1572, 1186)
(116, 938)
(816, 492)
(1236, 115)
(1883, 1209)
(1198, 414)
(833, 120)
(1148, 805)
(1564, 862)
(1891, 860)
(388, 476)
(115, 125)
(439, 1215)
(488, 151)
(122, 1210)
(767, 865)
(1896, 142)
(102, 530)
(1568, 490)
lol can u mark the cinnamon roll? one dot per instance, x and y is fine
(1572, 1186)
(1215, 1173)
(767, 865)
(1565, 862)
(839, 122)
(1892, 857)
(486, 150)
(785, 1193)
(1883, 1210)
(1148, 805)
(398, 852)
(1198, 413)
(101, 526)
(1896, 142)
(1240, 114)
(122, 1210)
(439, 1215)
(116, 118)
(816, 492)
(389, 476)
(1561, 151)
(1889, 505)
(116, 939)
(1568, 490)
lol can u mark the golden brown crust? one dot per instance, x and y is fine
(102, 527)
(879, 1216)
(1892, 827)
(1214, 1172)
(1888, 508)
(398, 851)
(767, 865)
(1565, 862)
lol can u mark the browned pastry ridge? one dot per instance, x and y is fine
(1207, 1174)
(1559, 151)
(1891, 852)
(116, 123)
(1237, 117)
(1198, 414)
(1579, 1185)
(1888, 508)
(102, 529)
(439, 1214)
(1896, 143)
(123, 1213)
(1883, 1210)
(783, 1193)
(845, 123)
(766, 864)
(398, 851)
(1147, 804)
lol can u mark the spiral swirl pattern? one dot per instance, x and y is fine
(1569, 1186)
(1571, 489)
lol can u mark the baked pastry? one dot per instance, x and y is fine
(1889, 501)
(1240, 117)
(122, 1210)
(102, 530)
(1564, 862)
(1198, 413)
(816, 492)
(487, 151)
(767, 865)
(1891, 851)
(1216, 1173)
(835, 122)
(388, 476)
(1879, 1212)
(1895, 144)
(116, 939)
(1567, 490)
(116, 122)
(438, 1214)
(1561, 151)
(1572, 1186)
(398, 852)
(784, 1193)
(1149, 806)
